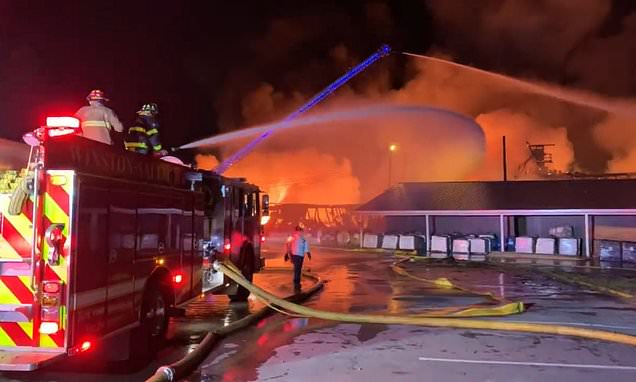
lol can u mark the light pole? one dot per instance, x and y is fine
(392, 148)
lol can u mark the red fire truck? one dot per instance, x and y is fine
(99, 246)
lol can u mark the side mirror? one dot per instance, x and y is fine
(31, 139)
(265, 205)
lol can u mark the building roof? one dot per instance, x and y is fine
(545, 195)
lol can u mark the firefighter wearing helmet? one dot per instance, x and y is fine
(143, 136)
(98, 122)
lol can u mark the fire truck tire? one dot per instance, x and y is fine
(246, 261)
(154, 322)
(241, 294)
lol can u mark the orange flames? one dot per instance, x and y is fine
(350, 164)
(302, 176)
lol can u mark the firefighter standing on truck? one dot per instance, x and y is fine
(97, 120)
(143, 136)
(297, 248)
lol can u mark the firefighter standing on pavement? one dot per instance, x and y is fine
(143, 136)
(297, 248)
(97, 120)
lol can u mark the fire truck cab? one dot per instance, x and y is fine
(98, 246)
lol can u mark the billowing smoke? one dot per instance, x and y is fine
(343, 156)
(585, 45)
(618, 136)
(536, 37)
(519, 129)
(427, 149)
(501, 109)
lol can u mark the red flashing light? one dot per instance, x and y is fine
(262, 239)
(227, 247)
(61, 131)
(61, 126)
(69, 122)
(82, 347)
(86, 345)
(49, 327)
(51, 287)
(178, 278)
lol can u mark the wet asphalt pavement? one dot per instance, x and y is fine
(300, 349)
(284, 348)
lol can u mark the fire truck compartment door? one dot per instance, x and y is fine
(26, 360)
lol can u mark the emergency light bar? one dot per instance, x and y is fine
(55, 127)
(70, 122)
(60, 126)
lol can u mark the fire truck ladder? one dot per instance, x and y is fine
(19, 185)
(21, 352)
(383, 51)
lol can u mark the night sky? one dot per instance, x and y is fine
(199, 59)
(196, 59)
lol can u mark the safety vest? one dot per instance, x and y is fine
(297, 245)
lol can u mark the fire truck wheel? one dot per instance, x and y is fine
(246, 261)
(154, 319)
(241, 294)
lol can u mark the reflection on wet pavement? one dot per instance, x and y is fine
(212, 311)
(292, 349)
(202, 315)
(281, 348)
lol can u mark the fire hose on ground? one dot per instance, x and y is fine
(545, 269)
(496, 307)
(457, 323)
(187, 364)
(443, 283)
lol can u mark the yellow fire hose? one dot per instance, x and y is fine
(498, 308)
(504, 307)
(184, 366)
(549, 271)
(444, 283)
(457, 323)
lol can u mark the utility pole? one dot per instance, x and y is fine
(392, 149)
(503, 157)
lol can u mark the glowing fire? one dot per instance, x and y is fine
(278, 192)
(328, 170)
(302, 176)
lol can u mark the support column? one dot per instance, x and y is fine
(502, 240)
(428, 234)
(588, 252)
